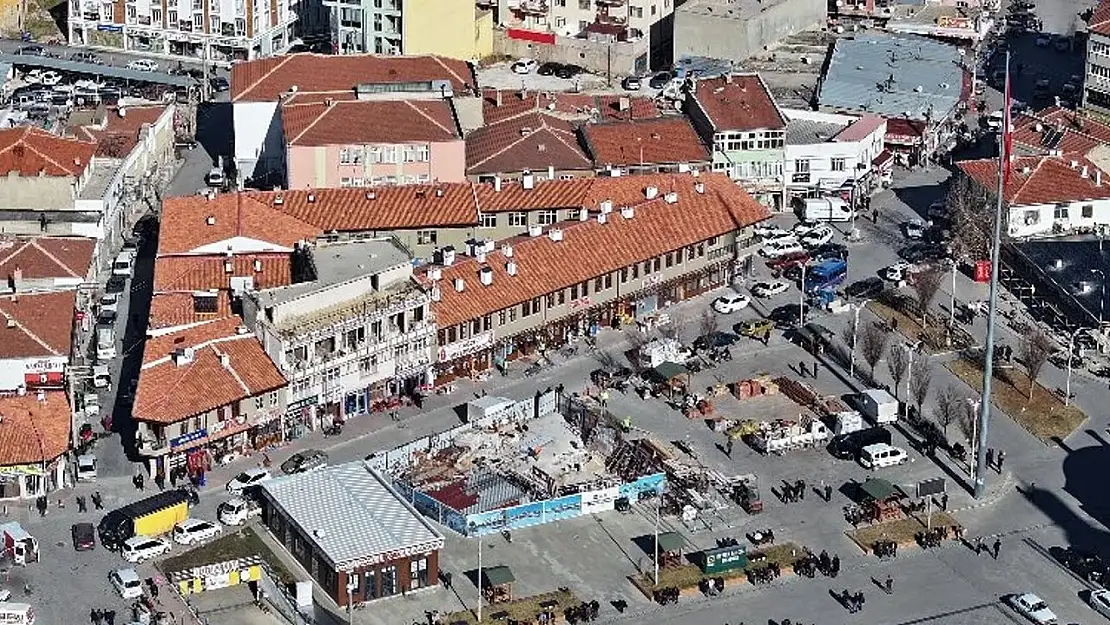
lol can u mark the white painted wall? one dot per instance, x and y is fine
(254, 136)
(821, 155)
(1041, 220)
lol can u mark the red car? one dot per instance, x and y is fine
(782, 263)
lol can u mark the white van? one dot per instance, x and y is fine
(124, 264)
(823, 209)
(105, 343)
(17, 613)
(881, 455)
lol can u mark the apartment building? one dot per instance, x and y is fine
(449, 28)
(649, 242)
(828, 153)
(738, 117)
(357, 337)
(217, 30)
(1096, 76)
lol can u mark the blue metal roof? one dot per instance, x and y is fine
(896, 76)
(91, 69)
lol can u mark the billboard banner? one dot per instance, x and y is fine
(567, 507)
(524, 515)
(654, 484)
(602, 500)
(482, 523)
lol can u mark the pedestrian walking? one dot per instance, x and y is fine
(160, 480)
(42, 505)
(814, 369)
(997, 547)
(979, 546)
(944, 501)
(93, 615)
(604, 397)
(802, 369)
(828, 493)
(173, 478)
(81, 505)
(998, 463)
(889, 585)
(990, 457)
(110, 617)
(728, 447)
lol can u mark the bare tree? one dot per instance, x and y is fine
(605, 359)
(898, 363)
(919, 386)
(708, 323)
(674, 328)
(951, 406)
(872, 343)
(965, 418)
(636, 338)
(971, 225)
(1035, 350)
(925, 285)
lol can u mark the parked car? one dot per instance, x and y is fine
(994, 121)
(780, 247)
(897, 272)
(525, 66)
(1042, 41)
(127, 583)
(868, 288)
(86, 57)
(714, 340)
(1032, 607)
(116, 283)
(84, 536)
(786, 315)
(143, 65)
(631, 83)
(50, 78)
(548, 69)
(914, 229)
(660, 80)
(756, 328)
(139, 548)
(730, 303)
(219, 84)
(237, 511)
(568, 71)
(194, 530)
(215, 178)
(769, 288)
(1100, 601)
(768, 233)
(829, 250)
(787, 261)
(305, 461)
(882, 455)
(109, 302)
(817, 237)
(922, 252)
(31, 51)
(247, 478)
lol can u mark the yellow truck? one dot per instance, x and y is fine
(152, 516)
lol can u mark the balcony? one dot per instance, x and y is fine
(534, 7)
(611, 3)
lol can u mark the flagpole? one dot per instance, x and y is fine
(996, 244)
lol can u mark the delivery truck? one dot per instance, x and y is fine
(879, 406)
(153, 516)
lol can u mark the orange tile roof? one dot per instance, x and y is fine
(168, 392)
(590, 249)
(1070, 132)
(121, 134)
(264, 80)
(575, 106)
(1100, 19)
(176, 308)
(201, 273)
(29, 151)
(533, 141)
(33, 430)
(360, 122)
(193, 221)
(547, 194)
(740, 103)
(37, 324)
(1041, 179)
(663, 141)
(403, 207)
(41, 258)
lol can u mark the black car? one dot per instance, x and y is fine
(549, 69)
(829, 250)
(566, 72)
(219, 84)
(31, 51)
(868, 288)
(921, 252)
(848, 446)
(86, 57)
(786, 315)
(714, 340)
(84, 536)
(660, 80)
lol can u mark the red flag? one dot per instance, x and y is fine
(1007, 151)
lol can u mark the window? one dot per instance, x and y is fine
(425, 237)
(713, 241)
(654, 9)
(198, 20)
(512, 315)
(562, 295)
(560, 22)
(608, 281)
(422, 154)
(156, 15)
(574, 292)
(344, 156)
(353, 338)
(1061, 211)
(584, 5)
(389, 581)
(550, 300)
(583, 25)
(1088, 211)
(488, 220)
(371, 585)
(344, 182)
(501, 318)
(624, 276)
(655, 263)
(801, 165)
(560, 3)
(518, 219)
(487, 323)
(838, 164)
(172, 18)
(259, 402)
(368, 365)
(597, 284)
(389, 155)
(548, 217)
(636, 12)
(408, 154)
(418, 573)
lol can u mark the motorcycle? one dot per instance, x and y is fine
(334, 429)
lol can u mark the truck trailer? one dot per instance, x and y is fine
(153, 516)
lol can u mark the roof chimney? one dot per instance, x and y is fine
(624, 103)
(606, 207)
(628, 212)
(535, 230)
(485, 276)
(699, 187)
(17, 277)
(528, 181)
(311, 197)
(370, 195)
(1098, 177)
(1083, 172)
(583, 215)
(651, 193)
(507, 250)
(210, 220)
(555, 234)
(279, 200)
(602, 218)
(497, 183)
(257, 265)
(460, 285)
(510, 267)
(184, 356)
(671, 197)
(225, 361)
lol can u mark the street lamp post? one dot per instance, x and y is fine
(802, 300)
(972, 463)
(351, 585)
(1101, 294)
(658, 513)
(479, 578)
(1071, 354)
(855, 331)
(952, 302)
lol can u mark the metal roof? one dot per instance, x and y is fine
(893, 76)
(350, 512)
(92, 69)
(498, 576)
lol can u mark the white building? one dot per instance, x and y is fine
(827, 152)
(359, 333)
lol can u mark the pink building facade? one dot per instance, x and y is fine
(336, 166)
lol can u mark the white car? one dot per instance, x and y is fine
(525, 66)
(1042, 41)
(817, 237)
(237, 511)
(127, 583)
(143, 65)
(1100, 601)
(194, 530)
(914, 229)
(770, 233)
(780, 247)
(50, 78)
(215, 177)
(731, 303)
(769, 289)
(897, 272)
(109, 301)
(1033, 608)
(994, 120)
(250, 477)
(139, 548)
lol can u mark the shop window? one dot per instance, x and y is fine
(512, 315)
(1088, 211)
(1061, 211)
(535, 305)
(418, 573)
(655, 264)
(597, 284)
(389, 581)
(476, 327)
(714, 241)
(574, 292)
(550, 300)
(690, 253)
(371, 585)
(585, 288)
(501, 318)
(701, 250)
(562, 296)
(452, 334)
(670, 260)
(487, 323)
(635, 271)
(624, 276)
(608, 281)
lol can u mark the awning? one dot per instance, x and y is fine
(671, 541)
(498, 576)
(879, 489)
(668, 371)
(883, 160)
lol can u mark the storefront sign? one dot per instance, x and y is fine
(399, 554)
(580, 303)
(265, 416)
(44, 365)
(21, 469)
(294, 407)
(473, 344)
(600, 500)
(216, 570)
(191, 437)
(953, 21)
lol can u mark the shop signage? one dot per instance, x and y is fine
(215, 570)
(44, 365)
(302, 403)
(109, 28)
(724, 559)
(265, 416)
(580, 303)
(953, 21)
(21, 469)
(400, 554)
(600, 500)
(473, 344)
(191, 437)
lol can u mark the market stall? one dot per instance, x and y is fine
(883, 499)
(497, 584)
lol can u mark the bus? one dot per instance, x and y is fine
(827, 274)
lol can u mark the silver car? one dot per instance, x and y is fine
(305, 461)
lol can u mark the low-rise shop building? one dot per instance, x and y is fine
(34, 438)
(357, 338)
(647, 242)
(834, 154)
(348, 526)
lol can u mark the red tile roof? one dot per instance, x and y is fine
(898, 127)
(532, 141)
(1070, 132)
(577, 106)
(1041, 179)
(201, 273)
(168, 392)
(33, 428)
(860, 129)
(177, 308)
(121, 133)
(29, 151)
(193, 221)
(264, 80)
(590, 249)
(1100, 19)
(37, 324)
(742, 102)
(42, 258)
(663, 141)
(404, 207)
(361, 122)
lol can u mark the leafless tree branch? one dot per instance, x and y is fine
(1035, 350)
